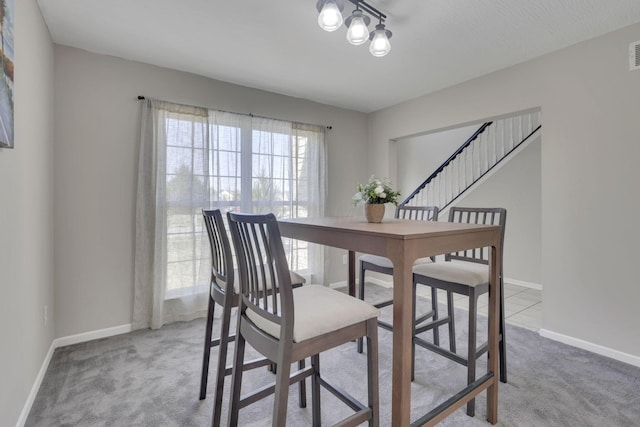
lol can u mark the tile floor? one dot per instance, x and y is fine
(523, 306)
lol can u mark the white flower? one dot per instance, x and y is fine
(358, 199)
(377, 191)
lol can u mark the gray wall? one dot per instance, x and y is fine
(96, 133)
(589, 148)
(26, 172)
(589, 152)
(516, 186)
(419, 156)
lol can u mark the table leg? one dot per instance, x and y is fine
(402, 331)
(494, 319)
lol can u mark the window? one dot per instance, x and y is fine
(234, 162)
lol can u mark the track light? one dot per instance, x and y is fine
(358, 32)
(330, 19)
(380, 44)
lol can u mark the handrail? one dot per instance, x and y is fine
(446, 162)
(489, 170)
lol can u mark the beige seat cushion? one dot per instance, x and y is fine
(317, 311)
(296, 279)
(386, 262)
(465, 273)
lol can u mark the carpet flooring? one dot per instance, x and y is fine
(151, 378)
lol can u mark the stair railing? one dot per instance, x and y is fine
(477, 156)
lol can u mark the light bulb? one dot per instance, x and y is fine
(380, 44)
(358, 32)
(330, 18)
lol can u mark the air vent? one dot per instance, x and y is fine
(634, 56)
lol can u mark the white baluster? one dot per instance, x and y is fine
(499, 126)
(446, 178)
(510, 136)
(458, 174)
(485, 150)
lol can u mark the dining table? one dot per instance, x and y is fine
(404, 241)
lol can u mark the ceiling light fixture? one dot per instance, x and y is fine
(380, 45)
(330, 19)
(358, 32)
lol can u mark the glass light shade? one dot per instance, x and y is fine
(358, 32)
(380, 45)
(330, 18)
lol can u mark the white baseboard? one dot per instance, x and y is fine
(36, 386)
(92, 335)
(594, 348)
(61, 342)
(574, 342)
(523, 283)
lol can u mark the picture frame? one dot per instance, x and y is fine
(7, 74)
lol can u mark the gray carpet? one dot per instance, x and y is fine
(151, 378)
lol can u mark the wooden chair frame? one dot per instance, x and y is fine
(417, 213)
(490, 216)
(222, 293)
(262, 263)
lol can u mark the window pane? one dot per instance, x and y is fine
(200, 162)
(204, 169)
(227, 163)
(227, 138)
(180, 275)
(179, 159)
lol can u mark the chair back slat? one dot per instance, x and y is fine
(480, 216)
(265, 282)
(417, 213)
(222, 275)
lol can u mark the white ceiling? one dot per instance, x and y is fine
(276, 45)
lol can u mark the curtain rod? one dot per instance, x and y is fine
(141, 97)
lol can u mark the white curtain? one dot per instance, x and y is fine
(193, 158)
(312, 184)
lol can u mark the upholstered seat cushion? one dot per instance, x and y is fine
(466, 273)
(296, 279)
(386, 262)
(319, 310)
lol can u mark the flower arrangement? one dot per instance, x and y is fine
(376, 192)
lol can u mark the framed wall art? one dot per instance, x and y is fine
(6, 68)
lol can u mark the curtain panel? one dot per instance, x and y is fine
(193, 158)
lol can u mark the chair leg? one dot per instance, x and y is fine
(503, 345)
(302, 394)
(471, 351)
(302, 384)
(281, 390)
(361, 296)
(222, 364)
(315, 391)
(207, 349)
(452, 322)
(413, 331)
(372, 371)
(236, 382)
(434, 310)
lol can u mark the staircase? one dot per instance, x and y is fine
(491, 144)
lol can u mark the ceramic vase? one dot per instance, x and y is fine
(374, 212)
